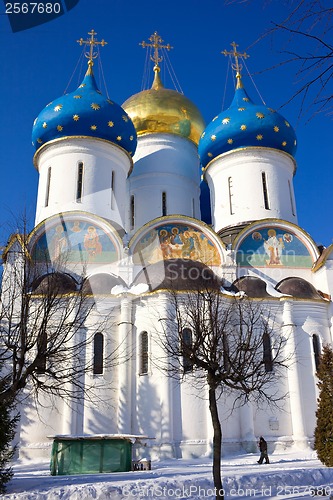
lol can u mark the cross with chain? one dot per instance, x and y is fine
(156, 44)
(236, 65)
(91, 42)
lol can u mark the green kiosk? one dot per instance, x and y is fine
(93, 454)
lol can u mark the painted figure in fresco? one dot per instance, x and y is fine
(273, 247)
(58, 243)
(92, 243)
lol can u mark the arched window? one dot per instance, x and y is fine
(230, 194)
(267, 354)
(186, 349)
(132, 209)
(143, 363)
(79, 182)
(41, 352)
(265, 190)
(48, 183)
(291, 199)
(164, 203)
(98, 354)
(112, 189)
(316, 350)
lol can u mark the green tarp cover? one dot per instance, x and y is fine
(85, 456)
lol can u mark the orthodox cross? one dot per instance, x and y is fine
(236, 65)
(156, 44)
(91, 42)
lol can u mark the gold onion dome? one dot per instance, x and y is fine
(164, 111)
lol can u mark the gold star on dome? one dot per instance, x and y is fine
(131, 137)
(203, 134)
(118, 137)
(243, 127)
(276, 129)
(284, 143)
(246, 99)
(259, 137)
(241, 109)
(210, 155)
(226, 120)
(295, 142)
(59, 128)
(125, 118)
(77, 96)
(93, 127)
(213, 137)
(260, 115)
(287, 123)
(95, 106)
(44, 125)
(110, 124)
(76, 118)
(215, 117)
(58, 107)
(39, 140)
(230, 141)
(82, 85)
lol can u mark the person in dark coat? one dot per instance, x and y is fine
(263, 451)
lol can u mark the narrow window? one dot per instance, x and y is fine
(98, 354)
(79, 182)
(264, 188)
(164, 203)
(186, 350)
(230, 194)
(112, 189)
(316, 350)
(143, 369)
(267, 356)
(48, 182)
(132, 211)
(41, 352)
(193, 207)
(291, 199)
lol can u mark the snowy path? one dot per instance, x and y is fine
(288, 476)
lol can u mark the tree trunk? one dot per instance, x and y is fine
(217, 444)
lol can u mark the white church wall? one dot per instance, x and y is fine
(57, 191)
(236, 186)
(169, 164)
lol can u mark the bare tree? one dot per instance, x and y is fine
(48, 323)
(307, 26)
(227, 343)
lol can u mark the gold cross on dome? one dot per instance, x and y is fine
(91, 42)
(236, 65)
(156, 44)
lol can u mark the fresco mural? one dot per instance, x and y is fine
(175, 241)
(74, 240)
(273, 247)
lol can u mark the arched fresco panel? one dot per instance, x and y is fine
(73, 239)
(273, 247)
(175, 240)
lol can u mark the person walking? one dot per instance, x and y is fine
(263, 451)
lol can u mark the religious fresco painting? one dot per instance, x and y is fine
(74, 240)
(175, 241)
(273, 247)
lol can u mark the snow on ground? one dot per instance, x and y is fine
(289, 476)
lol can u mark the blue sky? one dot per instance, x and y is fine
(38, 64)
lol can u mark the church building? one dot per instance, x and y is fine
(133, 195)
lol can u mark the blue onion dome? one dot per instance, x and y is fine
(85, 113)
(243, 125)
